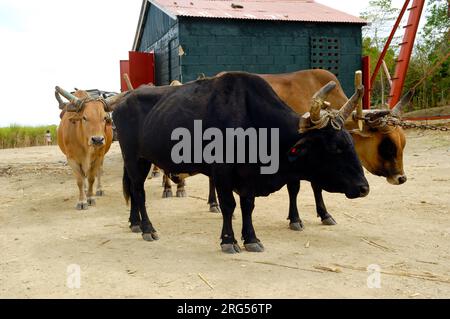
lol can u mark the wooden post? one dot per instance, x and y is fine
(359, 110)
(366, 82)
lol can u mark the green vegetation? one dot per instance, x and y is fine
(432, 44)
(24, 136)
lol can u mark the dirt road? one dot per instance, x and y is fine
(404, 231)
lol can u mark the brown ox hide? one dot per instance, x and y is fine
(85, 137)
(380, 150)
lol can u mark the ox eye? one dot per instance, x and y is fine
(85, 118)
(387, 149)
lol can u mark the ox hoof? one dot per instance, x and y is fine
(150, 236)
(181, 193)
(230, 248)
(91, 201)
(82, 206)
(254, 247)
(135, 229)
(297, 226)
(100, 193)
(214, 209)
(167, 194)
(156, 174)
(329, 221)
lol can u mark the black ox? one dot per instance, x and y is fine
(313, 148)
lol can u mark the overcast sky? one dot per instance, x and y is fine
(72, 44)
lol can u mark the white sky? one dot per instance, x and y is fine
(70, 43)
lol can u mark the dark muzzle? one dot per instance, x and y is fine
(98, 140)
(359, 191)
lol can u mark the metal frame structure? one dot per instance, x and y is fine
(407, 45)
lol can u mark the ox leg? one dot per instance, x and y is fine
(322, 212)
(212, 199)
(229, 244)
(295, 223)
(100, 191)
(79, 175)
(90, 192)
(137, 175)
(135, 218)
(251, 242)
(181, 192)
(167, 192)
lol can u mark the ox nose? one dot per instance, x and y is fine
(98, 140)
(364, 190)
(402, 179)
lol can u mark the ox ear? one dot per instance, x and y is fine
(298, 150)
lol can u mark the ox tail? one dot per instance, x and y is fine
(126, 186)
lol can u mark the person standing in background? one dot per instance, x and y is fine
(48, 138)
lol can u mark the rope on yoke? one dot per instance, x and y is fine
(332, 116)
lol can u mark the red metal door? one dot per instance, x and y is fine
(141, 68)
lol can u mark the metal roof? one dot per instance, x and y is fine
(270, 10)
(279, 10)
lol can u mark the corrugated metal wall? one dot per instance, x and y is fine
(161, 36)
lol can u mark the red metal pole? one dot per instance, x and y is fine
(366, 82)
(405, 52)
(388, 43)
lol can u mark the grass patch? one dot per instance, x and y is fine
(16, 136)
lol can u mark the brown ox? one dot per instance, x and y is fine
(380, 149)
(84, 136)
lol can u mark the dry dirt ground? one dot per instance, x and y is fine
(404, 230)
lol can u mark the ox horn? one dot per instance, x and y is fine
(128, 82)
(348, 108)
(359, 103)
(76, 102)
(318, 101)
(397, 110)
(62, 105)
(175, 83)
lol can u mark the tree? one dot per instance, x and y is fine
(381, 16)
(432, 44)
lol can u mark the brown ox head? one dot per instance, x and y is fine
(91, 114)
(380, 145)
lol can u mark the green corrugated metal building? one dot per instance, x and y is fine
(193, 37)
